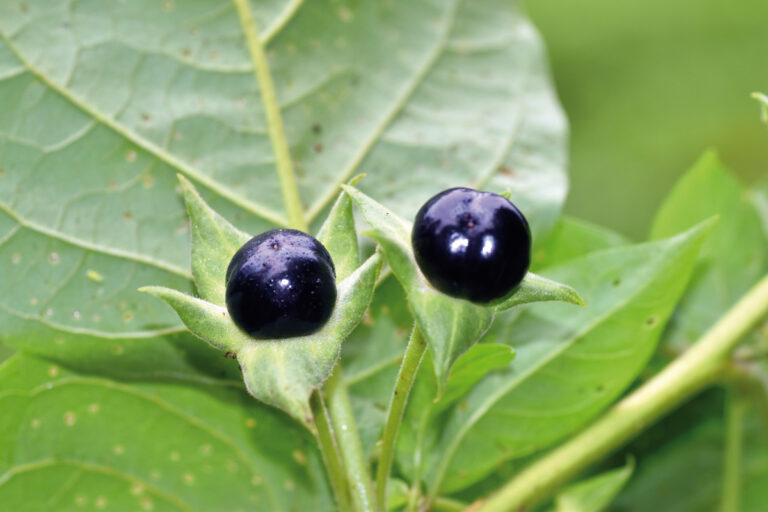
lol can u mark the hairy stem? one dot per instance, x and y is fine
(691, 372)
(274, 118)
(330, 452)
(734, 431)
(345, 428)
(405, 377)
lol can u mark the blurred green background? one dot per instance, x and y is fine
(648, 85)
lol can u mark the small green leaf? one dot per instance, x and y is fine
(208, 321)
(214, 242)
(595, 493)
(450, 326)
(535, 288)
(339, 236)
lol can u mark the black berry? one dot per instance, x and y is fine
(281, 284)
(471, 245)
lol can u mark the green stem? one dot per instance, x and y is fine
(330, 452)
(345, 428)
(410, 365)
(691, 372)
(734, 432)
(274, 118)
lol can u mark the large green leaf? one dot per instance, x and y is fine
(731, 261)
(571, 362)
(101, 104)
(69, 442)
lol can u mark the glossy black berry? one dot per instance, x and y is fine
(281, 284)
(471, 245)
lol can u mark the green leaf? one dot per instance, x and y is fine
(422, 416)
(100, 111)
(595, 493)
(471, 367)
(339, 237)
(208, 321)
(732, 259)
(570, 239)
(214, 242)
(686, 473)
(91, 443)
(450, 326)
(538, 289)
(571, 362)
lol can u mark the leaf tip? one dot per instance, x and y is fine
(356, 179)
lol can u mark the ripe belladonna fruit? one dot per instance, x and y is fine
(471, 245)
(281, 284)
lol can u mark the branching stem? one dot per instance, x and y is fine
(687, 375)
(410, 365)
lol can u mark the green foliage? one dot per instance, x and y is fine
(111, 400)
(732, 260)
(594, 494)
(88, 442)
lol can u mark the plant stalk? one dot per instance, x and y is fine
(414, 353)
(330, 452)
(735, 409)
(687, 375)
(344, 426)
(275, 127)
